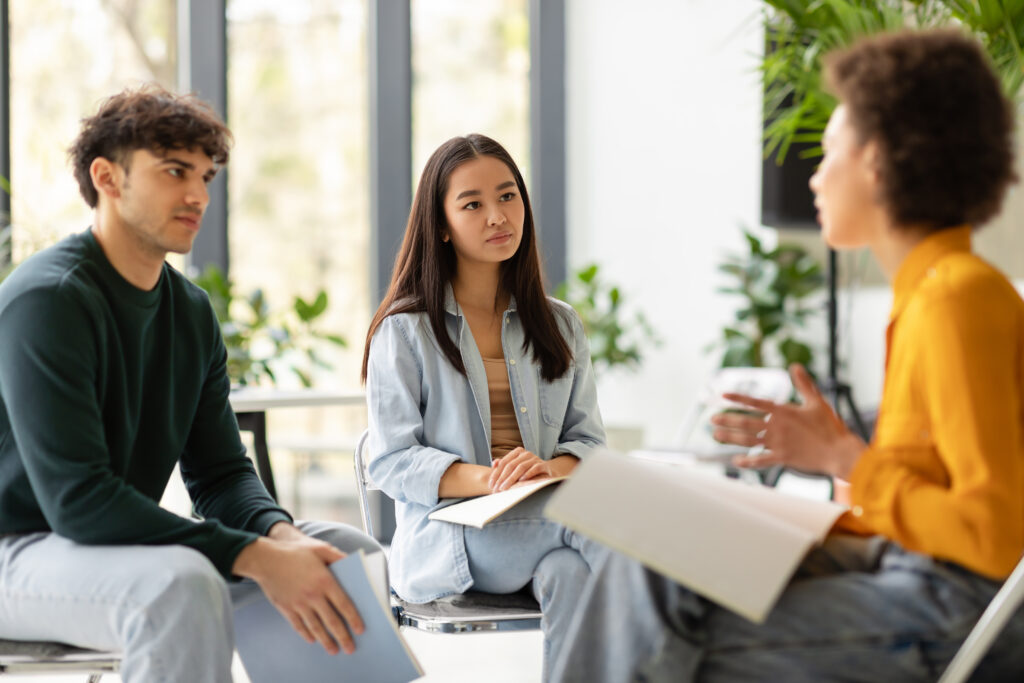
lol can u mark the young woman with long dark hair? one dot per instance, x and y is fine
(476, 381)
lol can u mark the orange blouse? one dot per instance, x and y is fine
(944, 473)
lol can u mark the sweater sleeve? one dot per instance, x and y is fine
(218, 474)
(50, 359)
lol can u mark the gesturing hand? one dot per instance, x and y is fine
(808, 436)
(520, 465)
(291, 568)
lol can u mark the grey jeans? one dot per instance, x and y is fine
(165, 607)
(857, 610)
(523, 545)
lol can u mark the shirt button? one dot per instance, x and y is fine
(857, 511)
(522, 409)
(512, 361)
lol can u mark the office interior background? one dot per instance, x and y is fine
(638, 128)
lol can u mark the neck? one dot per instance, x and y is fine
(139, 265)
(892, 245)
(478, 286)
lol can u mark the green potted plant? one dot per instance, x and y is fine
(6, 252)
(618, 336)
(801, 32)
(260, 341)
(775, 285)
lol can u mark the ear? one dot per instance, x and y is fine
(107, 177)
(871, 158)
(445, 236)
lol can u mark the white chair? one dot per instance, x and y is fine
(31, 657)
(464, 613)
(1003, 606)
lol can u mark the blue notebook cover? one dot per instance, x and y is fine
(273, 652)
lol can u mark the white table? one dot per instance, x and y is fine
(251, 406)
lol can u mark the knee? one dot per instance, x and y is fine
(559, 571)
(345, 538)
(185, 587)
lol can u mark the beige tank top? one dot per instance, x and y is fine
(504, 429)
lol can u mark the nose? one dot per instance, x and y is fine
(198, 194)
(497, 217)
(815, 182)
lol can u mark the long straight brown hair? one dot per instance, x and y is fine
(426, 264)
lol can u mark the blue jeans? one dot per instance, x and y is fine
(165, 607)
(523, 546)
(857, 610)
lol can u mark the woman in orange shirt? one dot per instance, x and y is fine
(917, 153)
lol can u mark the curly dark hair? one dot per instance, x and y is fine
(932, 102)
(149, 117)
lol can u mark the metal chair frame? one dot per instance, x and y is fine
(1004, 605)
(465, 613)
(18, 657)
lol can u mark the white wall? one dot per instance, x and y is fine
(663, 109)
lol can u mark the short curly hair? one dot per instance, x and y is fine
(149, 117)
(932, 102)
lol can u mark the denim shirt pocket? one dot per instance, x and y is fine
(554, 397)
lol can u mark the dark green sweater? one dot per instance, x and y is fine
(103, 388)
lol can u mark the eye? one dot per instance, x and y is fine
(507, 197)
(176, 172)
(472, 206)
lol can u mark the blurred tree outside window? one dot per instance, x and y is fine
(470, 74)
(67, 56)
(298, 215)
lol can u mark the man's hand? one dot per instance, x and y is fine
(808, 436)
(520, 465)
(291, 568)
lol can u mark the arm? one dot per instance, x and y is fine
(218, 474)
(401, 465)
(582, 428)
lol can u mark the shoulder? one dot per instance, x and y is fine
(568, 319)
(189, 293)
(56, 278)
(965, 291)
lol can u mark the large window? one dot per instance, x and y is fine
(66, 56)
(298, 181)
(471, 68)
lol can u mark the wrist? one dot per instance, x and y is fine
(248, 561)
(564, 464)
(848, 451)
(283, 531)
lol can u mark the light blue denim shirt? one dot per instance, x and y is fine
(425, 415)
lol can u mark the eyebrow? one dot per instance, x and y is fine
(188, 166)
(468, 193)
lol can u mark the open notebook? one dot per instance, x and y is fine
(272, 652)
(733, 543)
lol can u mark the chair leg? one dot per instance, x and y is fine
(94, 678)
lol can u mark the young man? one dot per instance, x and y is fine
(918, 151)
(112, 370)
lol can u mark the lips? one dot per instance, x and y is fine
(191, 221)
(500, 238)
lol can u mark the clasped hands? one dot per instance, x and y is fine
(808, 436)
(519, 466)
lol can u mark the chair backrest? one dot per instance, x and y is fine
(1003, 606)
(363, 482)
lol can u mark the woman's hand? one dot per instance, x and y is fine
(808, 436)
(520, 465)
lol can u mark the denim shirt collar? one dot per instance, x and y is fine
(452, 306)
